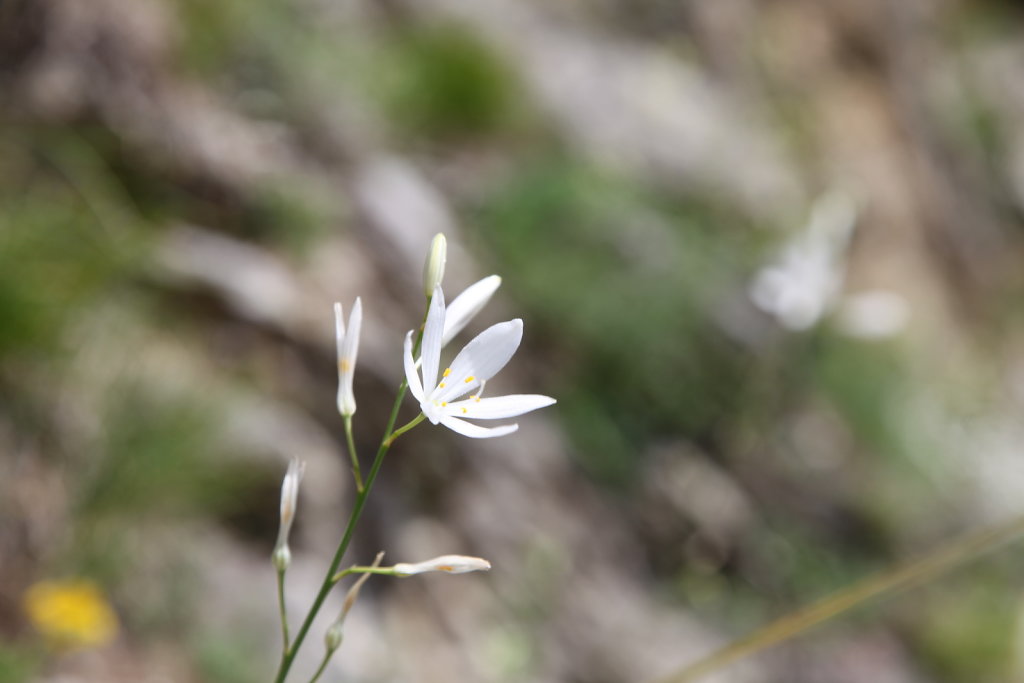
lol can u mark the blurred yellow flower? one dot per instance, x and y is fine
(71, 614)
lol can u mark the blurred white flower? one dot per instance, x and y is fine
(452, 564)
(803, 282)
(348, 349)
(289, 500)
(478, 362)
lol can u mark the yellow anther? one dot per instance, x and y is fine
(447, 371)
(441, 385)
(344, 365)
(444, 403)
(464, 411)
(470, 379)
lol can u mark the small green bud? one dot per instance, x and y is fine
(433, 269)
(282, 558)
(333, 637)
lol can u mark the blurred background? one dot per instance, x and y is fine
(768, 255)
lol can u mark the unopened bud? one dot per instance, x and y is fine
(452, 564)
(433, 269)
(282, 558)
(348, 350)
(289, 500)
(333, 637)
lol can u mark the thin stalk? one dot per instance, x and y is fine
(323, 665)
(388, 571)
(288, 655)
(406, 427)
(915, 573)
(352, 454)
(282, 610)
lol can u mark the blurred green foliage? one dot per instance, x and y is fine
(228, 657)
(970, 628)
(623, 282)
(443, 83)
(62, 238)
(17, 665)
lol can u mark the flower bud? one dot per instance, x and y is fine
(348, 350)
(289, 499)
(282, 557)
(452, 564)
(333, 637)
(433, 269)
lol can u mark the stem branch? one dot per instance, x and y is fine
(288, 656)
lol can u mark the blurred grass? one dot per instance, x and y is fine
(441, 83)
(623, 282)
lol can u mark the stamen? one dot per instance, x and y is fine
(444, 404)
(465, 410)
(447, 371)
(470, 379)
(441, 385)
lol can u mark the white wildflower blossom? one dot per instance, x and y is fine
(804, 281)
(348, 349)
(478, 362)
(289, 501)
(452, 564)
(466, 305)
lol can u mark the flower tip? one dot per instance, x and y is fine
(433, 269)
(339, 321)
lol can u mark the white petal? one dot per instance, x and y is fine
(499, 406)
(482, 358)
(350, 349)
(467, 305)
(473, 431)
(453, 564)
(411, 377)
(339, 325)
(430, 351)
(289, 498)
(347, 353)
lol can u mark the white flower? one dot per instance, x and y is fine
(478, 362)
(348, 349)
(289, 499)
(467, 305)
(453, 564)
(806, 278)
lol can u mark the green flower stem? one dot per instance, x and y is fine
(406, 427)
(288, 655)
(386, 571)
(323, 665)
(915, 573)
(352, 454)
(282, 610)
